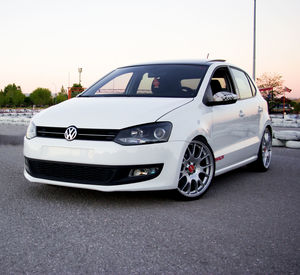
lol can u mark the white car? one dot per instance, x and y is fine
(155, 126)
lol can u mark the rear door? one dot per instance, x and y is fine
(250, 111)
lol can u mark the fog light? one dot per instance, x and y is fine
(143, 172)
(26, 165)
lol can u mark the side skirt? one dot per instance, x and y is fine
(235, 166)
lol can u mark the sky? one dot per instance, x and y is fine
(44, 42)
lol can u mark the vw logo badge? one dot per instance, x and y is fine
(70, 133)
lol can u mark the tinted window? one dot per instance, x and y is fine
(190, 83)
(151, 80)
(242, 83)
(220, 82)
(145, 86)
(115, 86)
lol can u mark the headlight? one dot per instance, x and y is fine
(145, 134)
(31, 130)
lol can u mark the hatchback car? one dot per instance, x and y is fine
(155, 126)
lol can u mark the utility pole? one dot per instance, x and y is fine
(254, 41)
(79, 71)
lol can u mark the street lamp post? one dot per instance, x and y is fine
(254, 41)
(79, 71)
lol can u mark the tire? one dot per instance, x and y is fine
(287, 135)
(293, 144)
(264, 156)
(196, 172)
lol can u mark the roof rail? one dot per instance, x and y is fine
(217, 60)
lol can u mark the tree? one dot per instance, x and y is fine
(271, 80)
(62, 95)
(14, 95)
(296, 106)
(27, 101)
(41, 97)
(77, 85)
(76, 89)
(3, 99)
(63, 90)
(274, 81)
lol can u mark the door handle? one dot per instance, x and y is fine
(242, 114)
(260, 109)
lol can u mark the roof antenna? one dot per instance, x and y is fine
(207, 56)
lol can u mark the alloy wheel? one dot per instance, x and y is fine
(266, 148)
(197, 170)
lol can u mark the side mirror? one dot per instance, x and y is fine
(222, 98)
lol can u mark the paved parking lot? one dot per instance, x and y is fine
(247, 223)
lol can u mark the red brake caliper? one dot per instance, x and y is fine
(191, 168)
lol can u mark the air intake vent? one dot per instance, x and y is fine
(88, 173)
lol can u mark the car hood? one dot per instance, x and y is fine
(107, 112)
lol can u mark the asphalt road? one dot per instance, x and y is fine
(247, 223)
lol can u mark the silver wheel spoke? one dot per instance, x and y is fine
(194, 149)
(206, 175)
(201, 182)
(185, 186)
(204, 157)
(189, 187)
(181, 177)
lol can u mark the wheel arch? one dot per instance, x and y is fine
(267, 125)
(200, 138)
(204, 139)
(270, 128)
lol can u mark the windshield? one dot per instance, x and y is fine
(150, 81)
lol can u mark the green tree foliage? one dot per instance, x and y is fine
(62, 96)
(76, 89)
(13, 95)
(27, 101)
(41, 97)
(77, 85)
(3, 99)
(296, 106)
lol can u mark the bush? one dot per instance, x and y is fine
(41, 97)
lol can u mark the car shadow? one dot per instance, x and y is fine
(90, 197)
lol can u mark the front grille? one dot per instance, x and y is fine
(78, 173)
(82, 133)
(84, 173)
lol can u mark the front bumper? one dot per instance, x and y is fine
(108, 154)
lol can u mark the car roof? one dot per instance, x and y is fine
(180, 62)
